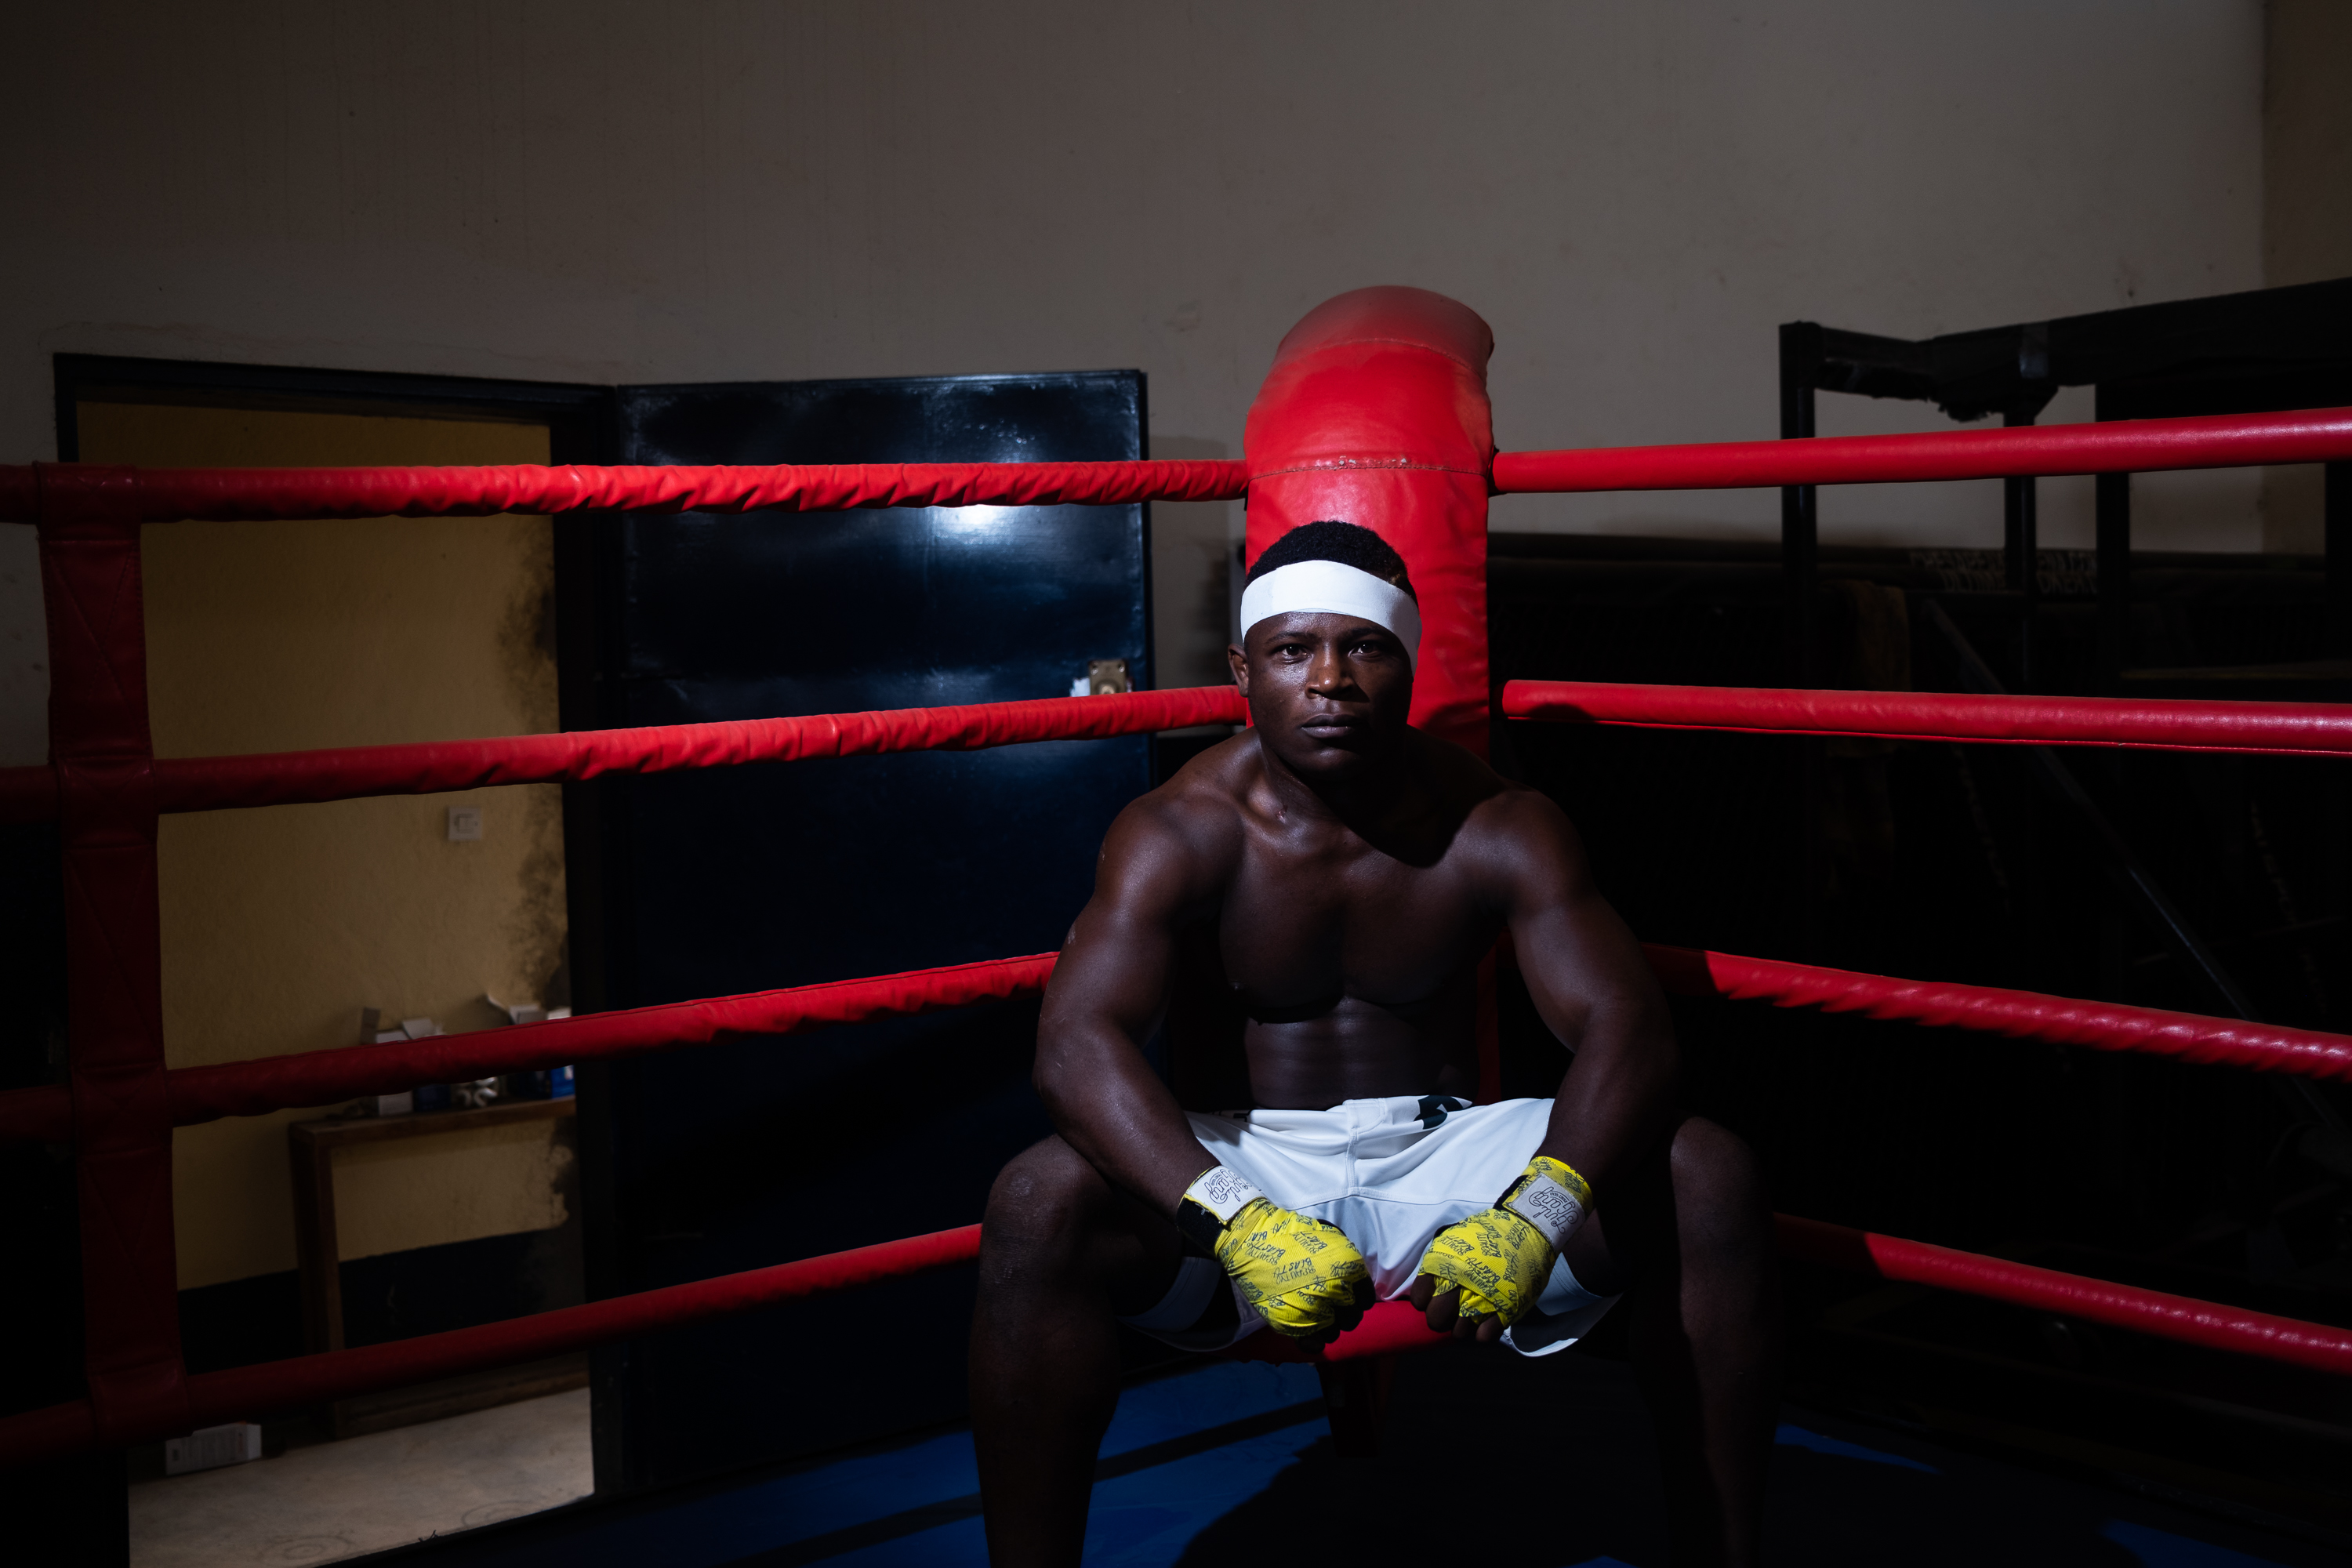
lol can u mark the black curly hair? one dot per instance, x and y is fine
(1348, 543)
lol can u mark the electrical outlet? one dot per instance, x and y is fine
(465, 825)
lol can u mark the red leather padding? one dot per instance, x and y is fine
(245, 1392)
(2021, 1015)
(121, 1130)
(1375, 413)
(2275, 729)
(2183, 1319)
(30, 492)
(286, 778)
(2117, 446)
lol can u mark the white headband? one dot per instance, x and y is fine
(1328, 588)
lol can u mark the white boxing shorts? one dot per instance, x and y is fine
(1391, 1173)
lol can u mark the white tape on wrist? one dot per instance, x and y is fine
(1548, 1207)
(1222, 1190)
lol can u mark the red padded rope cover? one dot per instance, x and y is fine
(1390, 1327)
(98, 743)
(282, 778)
(318, 1078)
(263, 1084)
(246, 1392)
(28, 492)
(1375, 413)
(2180, 1318)
(2021, 1015)
(2117, 446)
(2288, 729)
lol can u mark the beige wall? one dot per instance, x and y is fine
(280, 925)
(1635, 196)
(2306, 200)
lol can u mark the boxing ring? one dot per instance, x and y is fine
(105, 789)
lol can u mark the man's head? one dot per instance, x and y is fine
(1329, 631)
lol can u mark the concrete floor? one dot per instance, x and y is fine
(344, 1500)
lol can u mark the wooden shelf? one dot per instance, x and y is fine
(335, 1132)
(310, 1147)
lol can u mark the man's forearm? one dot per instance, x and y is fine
(1619, 1094)
(1109, 1106)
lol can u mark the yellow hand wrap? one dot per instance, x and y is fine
(1296, 1273)
(1499, 1257)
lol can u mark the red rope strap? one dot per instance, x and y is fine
(30, 492)
(2021, 1015)
(263, 1084)
(2117, 446)
(2268, 729)
(2181, 1318)
(244, 1392)
(255, 1086)
(163, 495)
(285, 778)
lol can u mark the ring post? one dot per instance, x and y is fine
(1375, 413)
(104, 762)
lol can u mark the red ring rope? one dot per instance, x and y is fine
(245, 1392)
(30, 492)
(2116, 446)
(2319, 1346)
(2019, 1015)
(259, 1085)
(283, 778)
(242, 1393)
(2262, 729)
(122, 1099)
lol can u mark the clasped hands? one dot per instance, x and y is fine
(1309, 1282)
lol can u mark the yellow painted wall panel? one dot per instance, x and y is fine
(280, 925)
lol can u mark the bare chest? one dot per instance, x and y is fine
(1309, 919)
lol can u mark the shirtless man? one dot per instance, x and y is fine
(1334, 877)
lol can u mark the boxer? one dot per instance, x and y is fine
(1324, 887)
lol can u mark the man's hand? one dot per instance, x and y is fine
(1305, 1278)
(1482, 1274)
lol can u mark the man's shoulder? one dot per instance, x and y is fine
(1496, 814)
(1470, 785)
(1204, 801)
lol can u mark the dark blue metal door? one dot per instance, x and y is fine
(738, 879)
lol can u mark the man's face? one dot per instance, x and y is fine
(1329, 693)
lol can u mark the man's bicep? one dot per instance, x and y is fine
(1575, 951)
(1122, 947)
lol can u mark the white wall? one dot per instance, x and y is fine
(1633, 195)
(2306, 203)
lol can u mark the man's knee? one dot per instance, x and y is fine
(1718, 1193)
(1046, 1191)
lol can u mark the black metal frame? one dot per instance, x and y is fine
(2260, 351)
(2265, 350)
